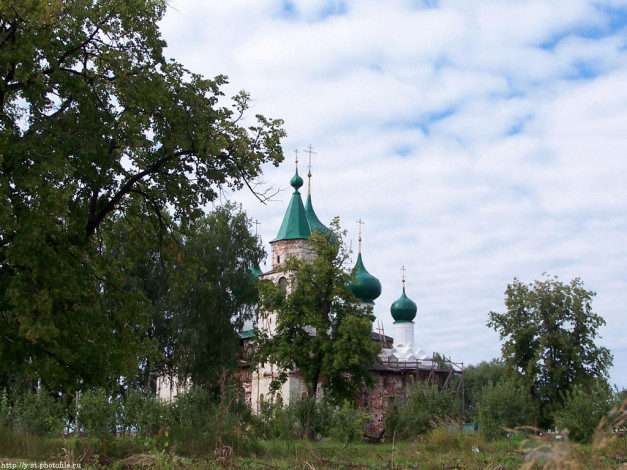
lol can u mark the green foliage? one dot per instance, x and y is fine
(277, 421)
(502, 406)
(98, 413)
(142, 414)
(583, 410)
(30, 412)
(348, 424)
(423, 408)
(37, 413)
(95, 123)
(549, 334)
(341, 424)
(446, 437)
(321, 330)
(476, 378)
(202, 421)
(215, 293)
(314, 415)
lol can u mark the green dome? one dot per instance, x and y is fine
(255, 270)
(364, 285)
(404, 309)
(296, 182)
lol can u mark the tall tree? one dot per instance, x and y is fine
(92, 113)
(321, 329)
(476, 377)
(549, 333)
(216, 292)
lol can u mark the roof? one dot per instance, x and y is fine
(364, 285)
(247, 334)
(295, 224)
(374, 336)
(403, 309)
(312, 218)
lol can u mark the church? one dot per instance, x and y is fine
(399, 363)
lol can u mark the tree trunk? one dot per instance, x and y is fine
(309, 432)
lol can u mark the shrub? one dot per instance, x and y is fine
(319, 414)
(98, 413)
(200, 422)
(424, 405)
(347, 424)
(503, 406)
(143, 415)
(583, 411)
(5, 409)
(35, 413)
(277, 421)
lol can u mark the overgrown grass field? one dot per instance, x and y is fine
(442, 448)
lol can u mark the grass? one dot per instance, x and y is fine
(441, 449)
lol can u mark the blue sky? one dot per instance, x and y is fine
(479, 141)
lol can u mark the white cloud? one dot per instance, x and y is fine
(479, 140)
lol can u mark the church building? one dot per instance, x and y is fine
(400, 362)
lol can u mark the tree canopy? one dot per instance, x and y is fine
(218, 291)
(95, 123)
(549, 333)
(321, 329)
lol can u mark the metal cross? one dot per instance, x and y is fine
(257, 223)
(296, 152)
(403, 269)
(310, 151)
(360, 224)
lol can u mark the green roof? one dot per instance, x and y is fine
(295, 224)
(314, 222)
(404, 309)
(247, 334)
(255, 270)
(364, 285)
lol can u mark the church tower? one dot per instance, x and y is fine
(403, 312)
(298, 224)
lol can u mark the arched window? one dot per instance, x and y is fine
(283, 284)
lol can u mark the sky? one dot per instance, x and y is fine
(479, 141)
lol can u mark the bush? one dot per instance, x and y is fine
(98, 413)
(143, 415)
(5, 409)
(277, 421)
(503, 406)
(424, 406)
(200, 422)
(38, 413)
(347, 424)
(318, 413)
(583, 411)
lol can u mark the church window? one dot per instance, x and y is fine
(283, 284)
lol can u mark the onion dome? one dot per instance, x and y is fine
(256, 270)
(404, 309)
(295, 224)
(364, 285)
(296, 182)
